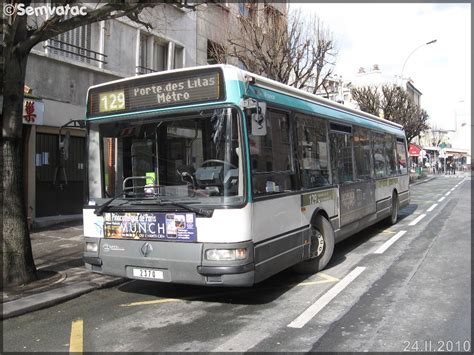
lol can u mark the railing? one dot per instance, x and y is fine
(74, 50)
(144, 70)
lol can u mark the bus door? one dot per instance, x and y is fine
(351, 169)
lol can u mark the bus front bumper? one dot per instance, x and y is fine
(176, 262)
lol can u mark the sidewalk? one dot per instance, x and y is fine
(430, 176)
(57, 251)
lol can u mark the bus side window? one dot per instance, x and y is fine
(270, 155)
(362, 153)
(378, 149)
(401, 156)
(390, 155)
(341, 157)
(312, 151)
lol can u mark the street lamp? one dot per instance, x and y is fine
(413, 51)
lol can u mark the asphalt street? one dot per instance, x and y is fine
(403, 288)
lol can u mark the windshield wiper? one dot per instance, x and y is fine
(200, 211)
(100, 209)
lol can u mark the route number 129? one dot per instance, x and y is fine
(112, 101)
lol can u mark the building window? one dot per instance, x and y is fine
(178, 57)
(215, 53)
(154, 55)
(144, 66)
(77, 44)
(160, 55)
(243, 9)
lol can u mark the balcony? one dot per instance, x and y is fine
(76, 52)
(139, 70)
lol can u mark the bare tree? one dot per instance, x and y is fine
(289, 49)
(396, 105)
(20, 36)
(368, 99)
(400, 108)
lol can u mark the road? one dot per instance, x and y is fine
(403, 288)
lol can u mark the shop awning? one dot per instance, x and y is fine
(414, 150)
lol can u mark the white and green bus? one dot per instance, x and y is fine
(216, 176)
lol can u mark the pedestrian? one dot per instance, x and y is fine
(453, 167)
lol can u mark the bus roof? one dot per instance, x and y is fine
(301, 94)
(234, 73)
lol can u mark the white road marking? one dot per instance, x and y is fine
(320, 303)
(447, 193)
(432, 207)
(389, 242)
(441, 199)
(417, 219)
(243, 341)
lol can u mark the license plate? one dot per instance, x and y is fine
(148, 274)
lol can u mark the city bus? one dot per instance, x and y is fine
(216, 176)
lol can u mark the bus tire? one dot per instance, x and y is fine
(393, 218)
(322, 247)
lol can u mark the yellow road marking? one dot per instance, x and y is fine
(142, 303)
(76, 342)
(386, 232)
(327, 278)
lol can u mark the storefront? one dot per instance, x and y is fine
(53, 186)
(414, 151)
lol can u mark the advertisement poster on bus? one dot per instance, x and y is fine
(158, 226)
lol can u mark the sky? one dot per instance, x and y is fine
(385, 34)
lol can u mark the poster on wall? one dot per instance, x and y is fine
(174, 226)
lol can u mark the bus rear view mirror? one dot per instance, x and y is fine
(259, 123)
(64, 146)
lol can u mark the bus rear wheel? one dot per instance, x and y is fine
(393, 218)
(321, 249)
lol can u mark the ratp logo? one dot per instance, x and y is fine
(45, 10)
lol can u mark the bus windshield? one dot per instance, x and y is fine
(188, 158)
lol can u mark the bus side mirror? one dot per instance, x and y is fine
(64, 146)
(259, 123)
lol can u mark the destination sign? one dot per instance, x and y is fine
(156, 92)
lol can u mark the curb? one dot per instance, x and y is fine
(423, 181)
(50, 298)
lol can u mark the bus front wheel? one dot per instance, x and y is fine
(321, 248)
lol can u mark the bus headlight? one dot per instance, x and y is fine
(226, 254)
(91, 247)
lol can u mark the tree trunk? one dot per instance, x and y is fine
(17, 257)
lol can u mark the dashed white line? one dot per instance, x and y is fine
(441, 199)
(317, 306)
(447, 193)
(389, 242)
(417, 219)
(433, 206)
